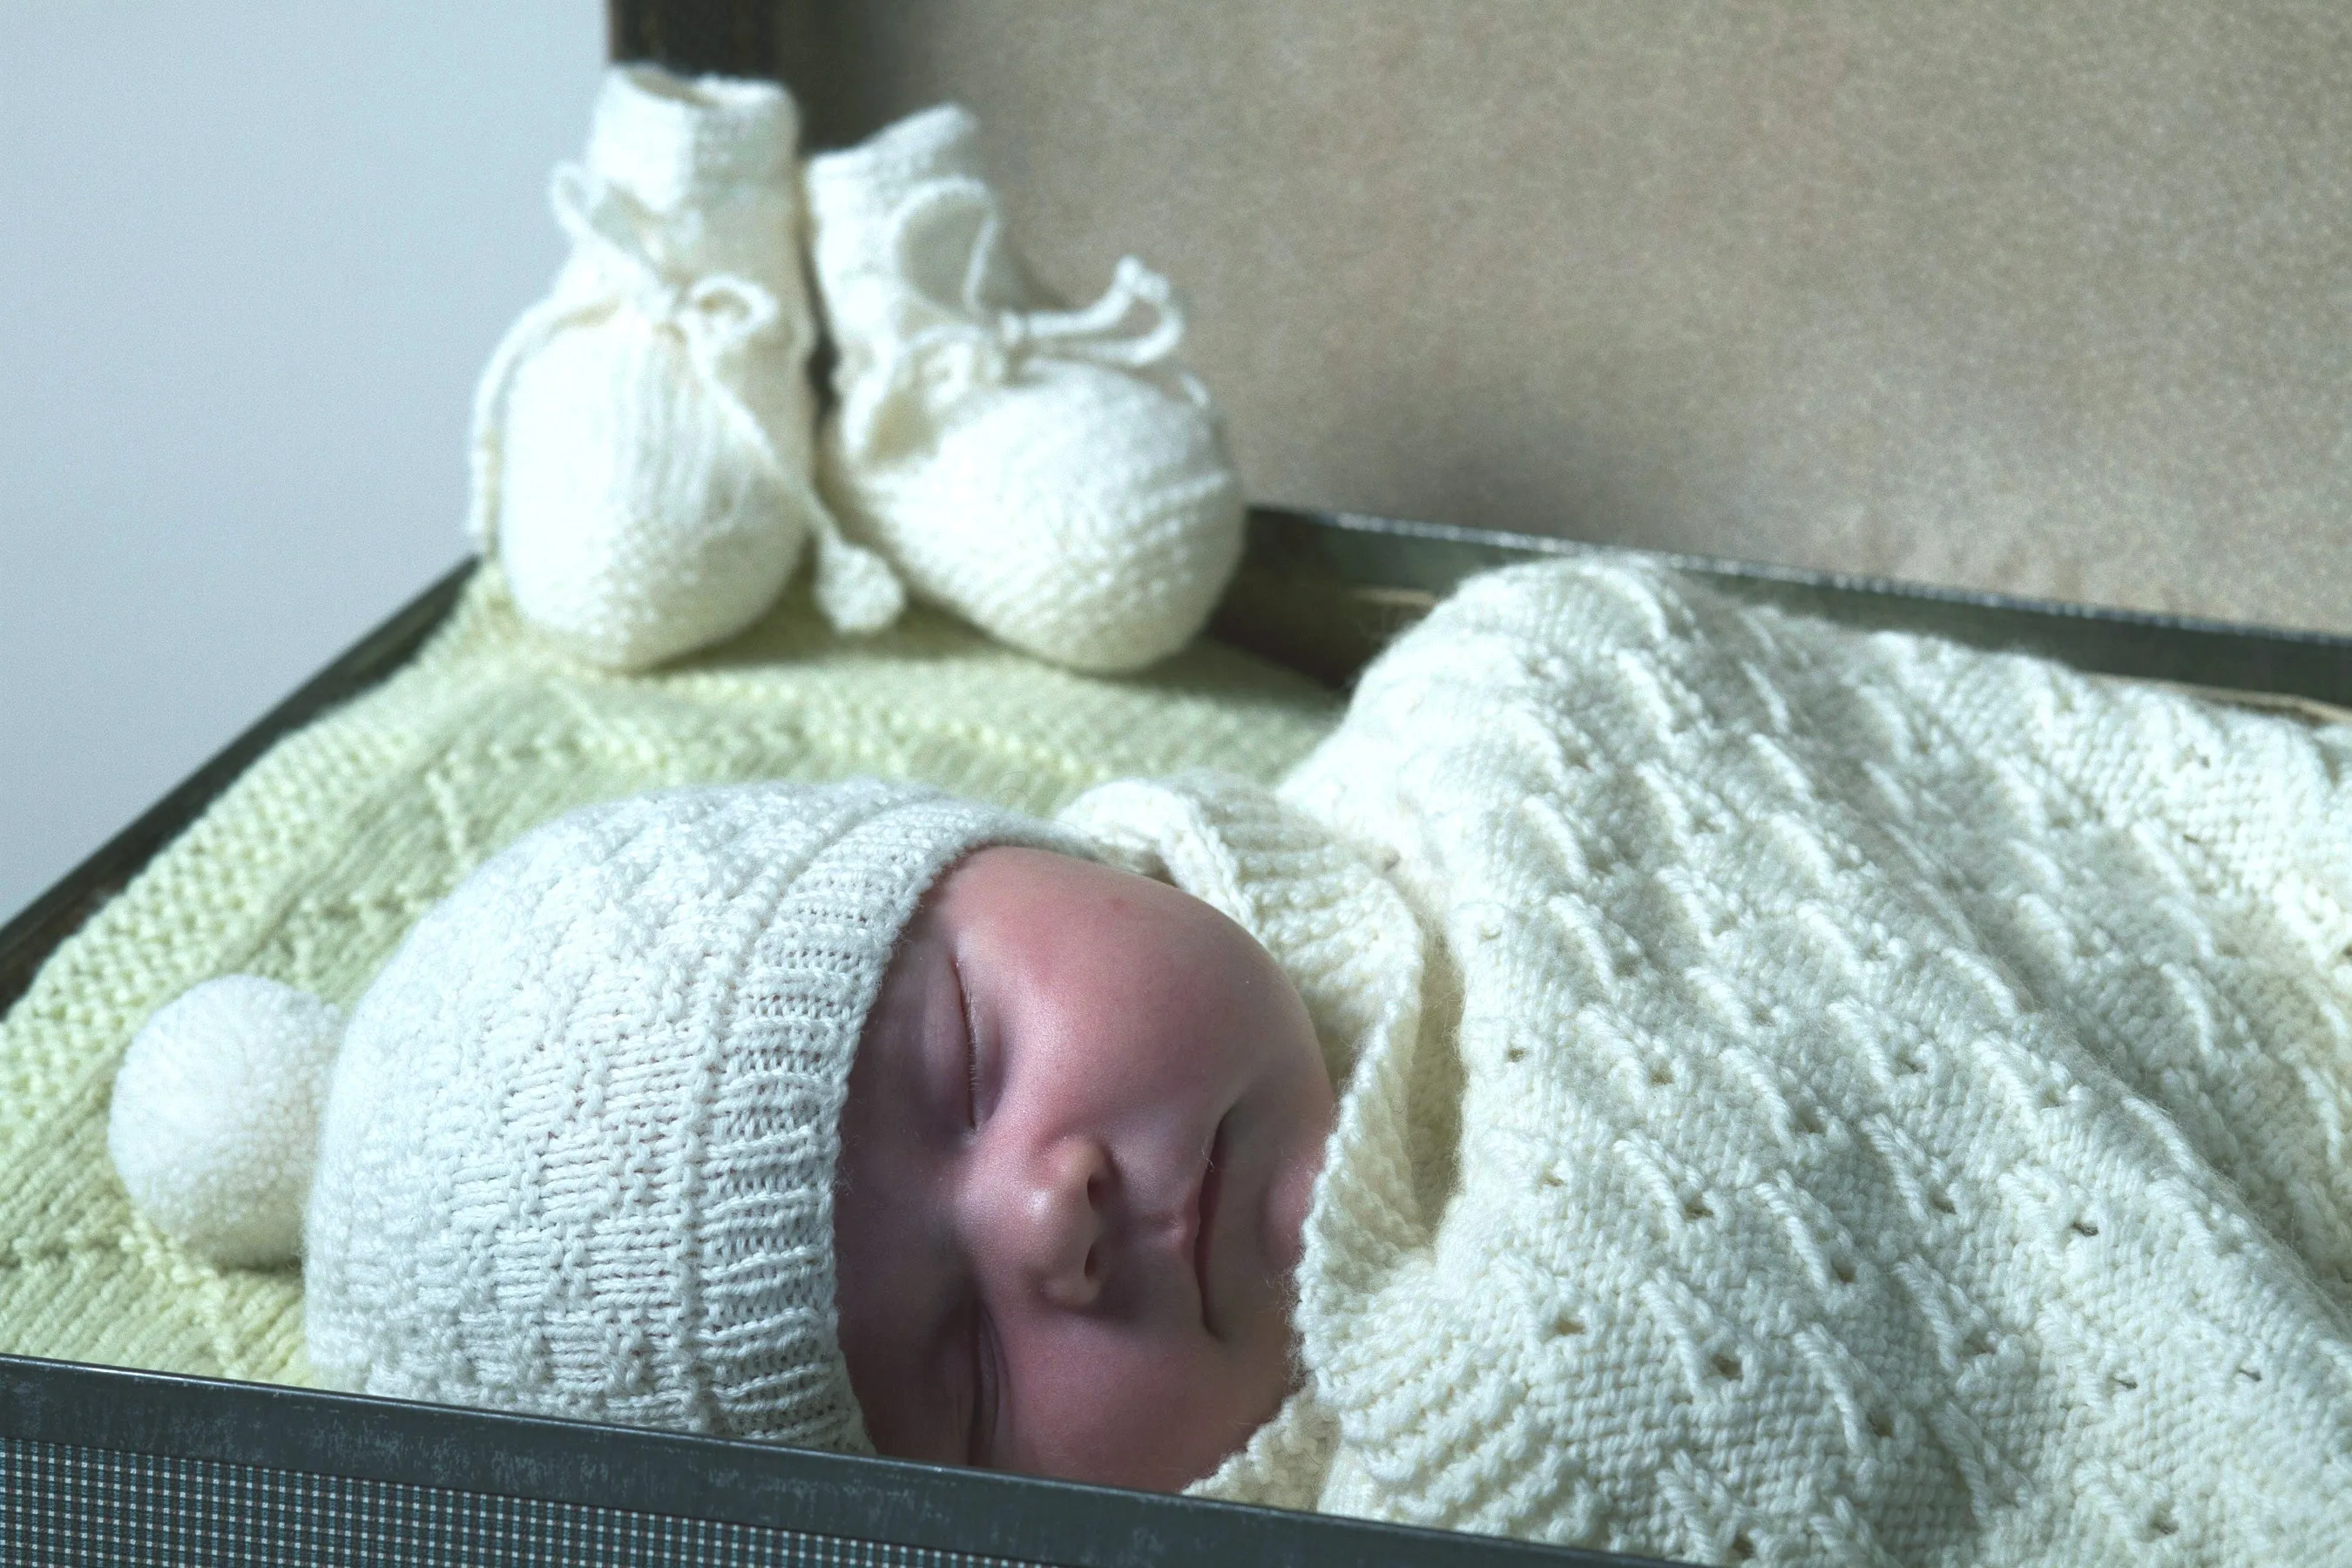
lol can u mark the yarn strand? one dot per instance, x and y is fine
(966, 341)
(716, 317)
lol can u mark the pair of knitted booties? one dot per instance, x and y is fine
(648, 467)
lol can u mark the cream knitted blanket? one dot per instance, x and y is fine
(313, 867)
(1901, 1093)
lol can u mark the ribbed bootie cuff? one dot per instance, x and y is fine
(664, 139)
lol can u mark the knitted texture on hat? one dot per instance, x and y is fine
(1897, 1100)
(315, 864)
(1052, 475)
(643, 436)
(578, 1153)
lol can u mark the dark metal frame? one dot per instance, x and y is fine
(832, 1497)
(1321, 592)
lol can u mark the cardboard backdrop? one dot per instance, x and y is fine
(2045, 297)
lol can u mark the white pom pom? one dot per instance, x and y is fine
(854, 587)
(215, 1126)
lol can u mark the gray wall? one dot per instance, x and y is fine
(251, 258)
(2049, 296)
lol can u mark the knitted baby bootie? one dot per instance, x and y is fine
(1053, 476)
(642, 436)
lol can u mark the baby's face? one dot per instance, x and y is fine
(1082, 1128)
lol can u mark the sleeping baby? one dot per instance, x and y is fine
(1664, 1075)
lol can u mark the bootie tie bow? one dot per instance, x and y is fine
(1051, 475)
(944, 345)
(643, 437)
(715, 314)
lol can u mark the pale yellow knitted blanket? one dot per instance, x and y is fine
(313, 866)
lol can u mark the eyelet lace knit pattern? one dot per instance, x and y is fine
(1907, 1091)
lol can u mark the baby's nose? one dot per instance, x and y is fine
(1062, 1221)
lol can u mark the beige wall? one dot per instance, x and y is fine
(2054, 298)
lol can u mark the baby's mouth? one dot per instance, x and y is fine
(1205, 1217)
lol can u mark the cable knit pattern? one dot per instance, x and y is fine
(315, 864)
(1909, 1090)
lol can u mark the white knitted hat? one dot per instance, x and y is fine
(575, 1149)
